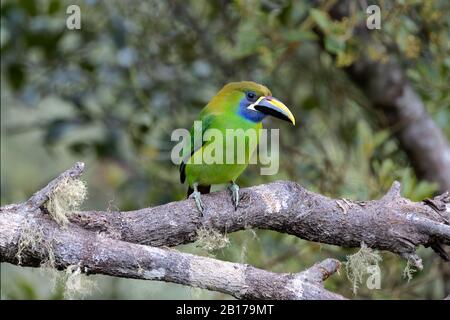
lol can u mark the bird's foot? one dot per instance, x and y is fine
(196, 195)
(234, 189)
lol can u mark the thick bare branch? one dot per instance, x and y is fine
(392, 223)
(95, 253)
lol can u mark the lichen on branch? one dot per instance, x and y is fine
(124, 244)
(65, 199)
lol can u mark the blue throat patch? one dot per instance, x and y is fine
(252, 115)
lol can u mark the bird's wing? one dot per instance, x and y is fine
(206, 124)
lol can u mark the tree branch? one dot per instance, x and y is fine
(41, 197)
(390, 92)
(391, 223)
(95, 253)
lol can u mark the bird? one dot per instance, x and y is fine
(238, 105)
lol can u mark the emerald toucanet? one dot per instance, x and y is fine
(238, 105)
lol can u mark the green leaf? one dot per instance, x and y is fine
(423, 190)
(380, 137)
(300, 35)
(386, 173)
(321, 19)
(334, 44)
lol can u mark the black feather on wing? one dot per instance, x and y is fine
(206, 122)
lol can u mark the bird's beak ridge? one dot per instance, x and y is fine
(274, 107)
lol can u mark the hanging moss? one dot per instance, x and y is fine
(66, 199)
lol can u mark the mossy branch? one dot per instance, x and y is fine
(81, 252)
(124, 244)
(392, 223)
(42, 196)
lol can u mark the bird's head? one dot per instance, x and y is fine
(252, 101)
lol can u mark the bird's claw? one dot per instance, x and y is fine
(234, 189)
(196, 195)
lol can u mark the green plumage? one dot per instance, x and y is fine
(232, 109)
(207, 174)
(221, 113)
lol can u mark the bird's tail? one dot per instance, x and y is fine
(201, 189)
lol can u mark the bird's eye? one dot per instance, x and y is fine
(251, 96)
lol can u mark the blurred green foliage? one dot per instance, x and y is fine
(111, 93)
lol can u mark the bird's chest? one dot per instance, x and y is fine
(229, 145)
(237, 137)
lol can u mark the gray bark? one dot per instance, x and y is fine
(30, 237)
(391, 223)
(124, 244)
(96, 253)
